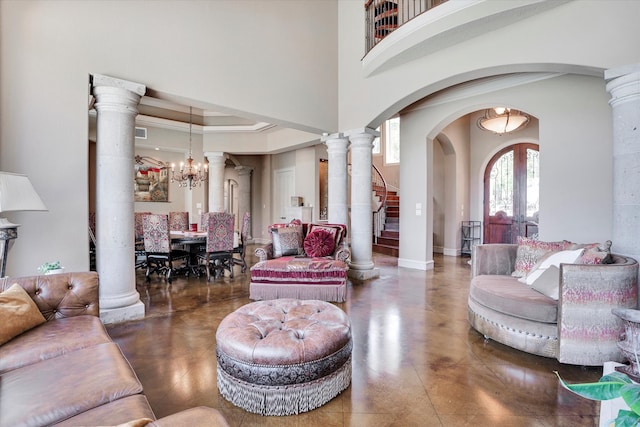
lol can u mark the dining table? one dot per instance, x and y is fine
(193, 242)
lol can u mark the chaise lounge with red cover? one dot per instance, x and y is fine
(303, 261)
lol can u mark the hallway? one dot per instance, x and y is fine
(416, 362)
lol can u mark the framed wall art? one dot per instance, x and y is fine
(151, 180)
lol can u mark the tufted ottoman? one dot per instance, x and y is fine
(285, 356)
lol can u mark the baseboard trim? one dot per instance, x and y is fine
(414, 264)
(451, 252)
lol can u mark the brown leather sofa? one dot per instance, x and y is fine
(67, 371)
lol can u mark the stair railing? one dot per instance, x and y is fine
(382, 17)
(379, 184)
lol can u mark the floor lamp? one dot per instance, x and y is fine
(16, 194)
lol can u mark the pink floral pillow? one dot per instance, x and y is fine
(596, 253)
(320, 243)
(530, 251)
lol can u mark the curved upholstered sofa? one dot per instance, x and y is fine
(577, 329)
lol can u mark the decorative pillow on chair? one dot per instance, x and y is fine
(551, 259)
(335, 230)
(530, 251)
(319, 243)
(18, 313)
(596, 253)
(287, 241)
(548, 283)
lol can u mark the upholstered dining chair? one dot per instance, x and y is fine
(204, 221)
(241, 249)
(141, 259)
(178, 221)
(219, 251)
(157, 246)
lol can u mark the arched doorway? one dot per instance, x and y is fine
(511, 194)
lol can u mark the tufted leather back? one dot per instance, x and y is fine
(60, 295)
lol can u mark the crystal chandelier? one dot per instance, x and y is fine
(189, 174)
(501, 120)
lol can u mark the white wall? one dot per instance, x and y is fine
(216, 53)
(579, 37)
(173, 147)
(575, 141)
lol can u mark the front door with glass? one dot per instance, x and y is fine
(511, 194)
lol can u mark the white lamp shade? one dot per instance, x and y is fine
(17, 194)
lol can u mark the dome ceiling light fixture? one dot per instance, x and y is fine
(500, 120)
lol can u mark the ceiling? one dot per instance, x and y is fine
(167, 114)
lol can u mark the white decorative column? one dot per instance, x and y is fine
(217, 161)
(361, 266)
(244, 190)
(624, 86)
(116, 106)
(337, 207)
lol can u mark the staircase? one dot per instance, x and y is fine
(389, 240)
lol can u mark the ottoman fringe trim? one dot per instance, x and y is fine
(284, 400)
(265, 291)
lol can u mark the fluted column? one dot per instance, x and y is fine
(361, 266)
(116, 106)
(217, 161)
(337, 207)
(624, 86)
(244, 190)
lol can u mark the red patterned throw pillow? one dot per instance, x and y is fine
(530, 251)
(320, 243)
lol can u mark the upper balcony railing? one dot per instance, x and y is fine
(384, 16)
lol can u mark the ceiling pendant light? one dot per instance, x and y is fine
(189, 175)
(501, 120)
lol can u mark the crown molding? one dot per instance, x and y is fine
(156, 122)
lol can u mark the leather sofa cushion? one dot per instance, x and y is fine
(52, 339)
(117, 412)
(56, 389)
(201, 415)
(506, 295)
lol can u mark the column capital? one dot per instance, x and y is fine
(216, 156)
(99, 80)
(115, 94)
(361, 132)
(331, 136)
(338, 144)
(623, 83)
(244, 170)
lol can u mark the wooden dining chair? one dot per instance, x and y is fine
(241, 249)
(140, 254)
(219, 250)
(157, 246)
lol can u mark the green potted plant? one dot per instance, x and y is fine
(51, 268)
(611, 386)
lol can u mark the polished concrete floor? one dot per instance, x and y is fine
(416, 361)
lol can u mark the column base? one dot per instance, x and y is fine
(415, 264)
(122, 314)
(363, 274)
